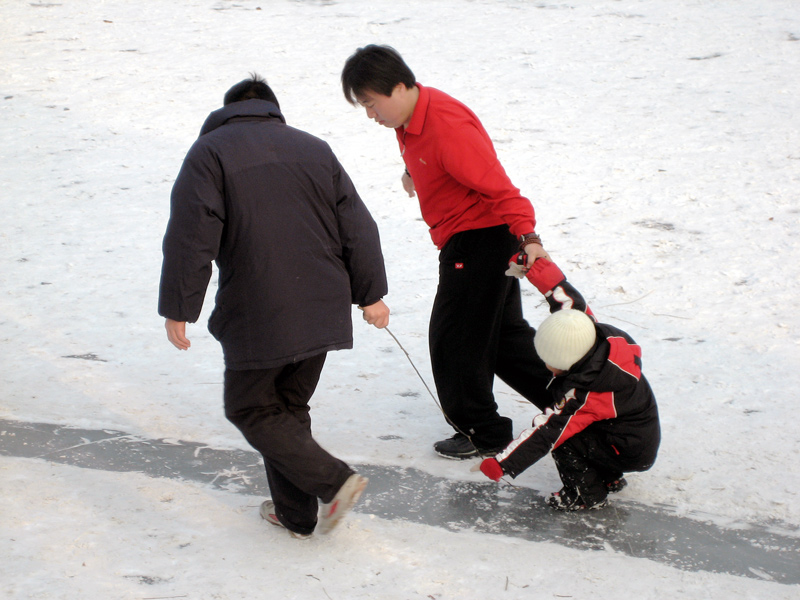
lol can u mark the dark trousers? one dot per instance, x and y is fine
(587, 461)
(270, 408)
(477, 331)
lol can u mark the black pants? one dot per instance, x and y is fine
(477, 331)
(587, 461)
(270, 408)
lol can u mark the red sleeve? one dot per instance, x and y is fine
(470, 158)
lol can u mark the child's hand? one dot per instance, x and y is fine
(491, 468)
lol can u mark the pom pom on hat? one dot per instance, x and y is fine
(564, 338)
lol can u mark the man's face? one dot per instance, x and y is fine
(390, 111)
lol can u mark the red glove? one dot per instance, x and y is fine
(492, 469)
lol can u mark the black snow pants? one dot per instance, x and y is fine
(586, 462)
(270, 408)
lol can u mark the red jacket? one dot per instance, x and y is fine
(459, 180)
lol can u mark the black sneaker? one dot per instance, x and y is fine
(459, 447)
(568, 499)
(616, 486)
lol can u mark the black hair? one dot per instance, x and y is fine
(375, 68)
(248, 89)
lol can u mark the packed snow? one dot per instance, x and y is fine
(659, 143)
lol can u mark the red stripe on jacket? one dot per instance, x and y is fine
(596, 407)
(626, 356)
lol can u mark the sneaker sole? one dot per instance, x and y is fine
(456, 456)
(474, 454)
(341, 504)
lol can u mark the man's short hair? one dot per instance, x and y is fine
(374, 68)
(248, 89)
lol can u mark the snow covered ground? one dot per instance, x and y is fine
(660, 144)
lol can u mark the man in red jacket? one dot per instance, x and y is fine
(477, 219)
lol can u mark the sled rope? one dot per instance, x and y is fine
(411, 362)
(436, 401)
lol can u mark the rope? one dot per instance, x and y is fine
(436, 401)
(422, 379)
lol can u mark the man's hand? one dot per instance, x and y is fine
(535, 251)
(376, 314)
(522, 261)
(176, 333)
(408, 184)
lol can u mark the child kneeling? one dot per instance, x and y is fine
(603, 421)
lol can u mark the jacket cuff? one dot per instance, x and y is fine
(520, 229)
(370, 302)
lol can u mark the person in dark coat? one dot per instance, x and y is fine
(603, 421)
(295, 248)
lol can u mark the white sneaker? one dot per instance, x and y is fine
(342, 502)
(267, 512)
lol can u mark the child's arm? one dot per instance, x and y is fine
(551, 282)
(569, 416)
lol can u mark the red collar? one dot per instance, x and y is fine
(420, 112)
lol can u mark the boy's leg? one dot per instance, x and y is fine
(270, 408)
(586, 464)
(464, 332)
(594, 463)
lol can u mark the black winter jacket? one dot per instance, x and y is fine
(294, 244)
(605, 390)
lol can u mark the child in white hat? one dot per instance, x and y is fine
(603, 421)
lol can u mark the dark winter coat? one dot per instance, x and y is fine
(605, 390)
(294, 244)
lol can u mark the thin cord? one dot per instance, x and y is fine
(444, 414)
(408, 356)
(422, 379)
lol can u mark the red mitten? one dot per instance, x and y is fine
(492, 469)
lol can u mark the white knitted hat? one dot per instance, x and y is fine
(564, 338)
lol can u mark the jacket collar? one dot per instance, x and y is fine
(259, 109)
(420, 111)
